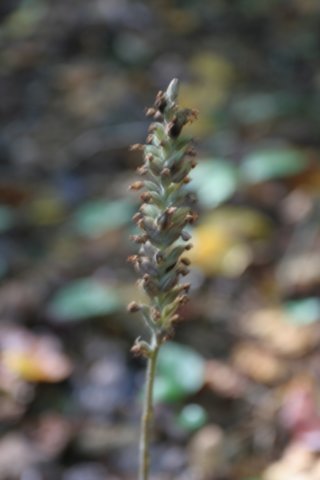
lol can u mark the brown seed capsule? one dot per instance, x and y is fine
(149, 139)
(183, 270)
(146, 197)
(140, 348)
(174, 128)
(185, 287)
(185, 261)
(136, 217)
(192, 115)
(193, 164)
(142, 170)
(167, 335)
(158, 116)
(191, 217)
(136, 350)
(139, 238)
(136, 185)
(165, 172)
(191, 152)
(183, 299)
(133, 307)
(171, 210)
(160, 102)
(132, 259)
(153, 127)
(136, 147)
(155, 314)
(150, 112)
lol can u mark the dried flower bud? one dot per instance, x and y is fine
(141, 348)
(165, 172)
(150, 112)
(136, 217)
(185, 261)
(149, 139)
(136, 147)
(146, 197)
(136, 185)
(139, 238)
(133, 307)
(160, 102)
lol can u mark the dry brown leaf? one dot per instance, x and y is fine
(258, 364)
(224, 380)
(272, 326)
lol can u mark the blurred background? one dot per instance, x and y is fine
(237, 390)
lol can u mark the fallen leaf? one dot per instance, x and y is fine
(34, 358)
(82, 299)
(273, 327)
(223, 379)
(269, 164)
(258, 364)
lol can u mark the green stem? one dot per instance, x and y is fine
(147, 414)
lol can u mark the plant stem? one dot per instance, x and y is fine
(147, 414)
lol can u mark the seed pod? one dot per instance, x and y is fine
(133, 307)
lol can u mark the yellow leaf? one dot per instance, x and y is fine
(221, 242)
(212, 68)
(37, 364)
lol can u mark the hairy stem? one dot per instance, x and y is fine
(147, 414)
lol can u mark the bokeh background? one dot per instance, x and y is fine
(236, 394)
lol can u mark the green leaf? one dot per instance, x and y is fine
(214, 181)
(255, 108)
(250, 109)
(98, 217)
(264, 165)
(180, 373)
(166, 390)
(83, 299)
(192, 417)
(303, 312)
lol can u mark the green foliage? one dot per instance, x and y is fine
(98, 217)
(304, 311)
(83, 299)
(192, 417)
(215, 181)
(269, 164)
(180, 373)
